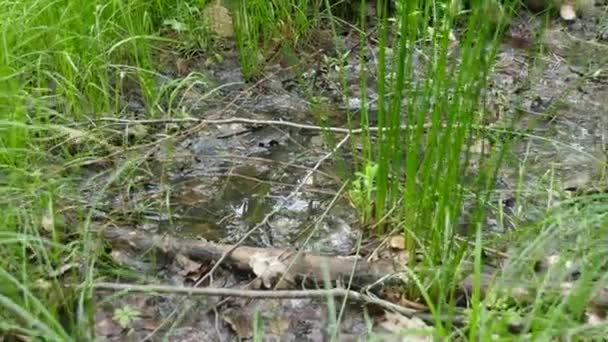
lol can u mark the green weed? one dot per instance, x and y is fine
(62, 65)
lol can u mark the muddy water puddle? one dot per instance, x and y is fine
(229, 184)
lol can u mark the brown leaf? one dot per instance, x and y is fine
(397, 242)
(187, 265)
(279, 325)
(239, 323)
(267, 268)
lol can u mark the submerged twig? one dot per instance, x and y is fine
(247, 121)
(341, 130)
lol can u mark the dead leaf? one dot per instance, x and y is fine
(279, 325)
(267, 268)
(47, 222)
(397, 242)
(239, 323)
(567, 12)
(219, 19)
(187, 265)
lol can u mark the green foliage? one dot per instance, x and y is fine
(422, 165)
(188, 21)
(62, 64)
(362, 191)
(125, 316)
(555, 303)
(420, 155)
(249, 25)
(262, 27)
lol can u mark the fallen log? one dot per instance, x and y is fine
(265, 262)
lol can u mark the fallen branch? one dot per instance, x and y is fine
(283, 294)
(341, 130)
(238, 120)
(303, 265)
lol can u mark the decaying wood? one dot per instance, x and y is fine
(306, 265)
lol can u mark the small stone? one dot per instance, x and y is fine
(397, 242)
(567, 12)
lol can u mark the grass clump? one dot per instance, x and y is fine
(265, 26)
(62, 65)
(553, 287)
(429, 110)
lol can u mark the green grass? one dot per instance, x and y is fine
(420, 170)
(262, 27)
(64, 64)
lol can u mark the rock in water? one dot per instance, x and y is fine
(567, 12)
(568, 9)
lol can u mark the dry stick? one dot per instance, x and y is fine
(341, 130)
(284, 294)
(249, 121)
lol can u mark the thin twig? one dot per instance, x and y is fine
(243, 121)
(342, 130)
(282, 294)
(486, 249)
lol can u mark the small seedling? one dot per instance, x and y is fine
(125, 316)
(362, 191)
